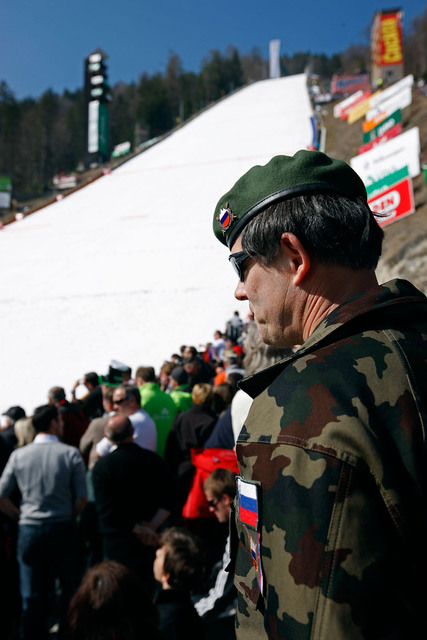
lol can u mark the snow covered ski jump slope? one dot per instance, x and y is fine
(127, 268)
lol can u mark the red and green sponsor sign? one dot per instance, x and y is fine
(388, 135)
(392, 197)
(382, 127)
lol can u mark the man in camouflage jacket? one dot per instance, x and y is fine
(330, 521)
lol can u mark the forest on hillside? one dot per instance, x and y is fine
(43, 137)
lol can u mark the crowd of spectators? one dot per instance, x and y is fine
(141, 436)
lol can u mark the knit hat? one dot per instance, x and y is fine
(307, 172)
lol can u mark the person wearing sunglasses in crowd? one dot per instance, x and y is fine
(127, 402)
(217, 607)
(331, 506)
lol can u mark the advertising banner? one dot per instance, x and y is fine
(399, 100)
(346, 103)
(360, 100)
(65, 181)
(5, 192)
(348, 83)
(5, 183)
(367, 125)
(103, 130)
(274, 58)
(376, 188)
(5, 200)
(394, 203)
(391, 39)
(97, 128)
(121, 149)
(381, 128)
(388, 135)
(93, 127)
(397, 87)
(389, 157)
(360, 110)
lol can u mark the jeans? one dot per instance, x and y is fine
(45, 551)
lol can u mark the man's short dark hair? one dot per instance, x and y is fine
(232, 379)
(180, 375)
(92, 378)
(184, 558)
(131, 391)
(146, 373)
(332, 229)
(43, 417)
(56, 394)
(221, 481)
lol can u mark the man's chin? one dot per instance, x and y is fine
(278, 341)
(263, 333)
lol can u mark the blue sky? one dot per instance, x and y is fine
(43, 44)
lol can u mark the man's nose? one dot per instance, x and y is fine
(240, 292)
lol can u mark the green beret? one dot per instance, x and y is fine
(307, 172)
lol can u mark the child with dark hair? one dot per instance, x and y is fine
(111, 604)
(179, 568)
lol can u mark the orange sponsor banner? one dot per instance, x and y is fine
(371, 124)
(391, 39)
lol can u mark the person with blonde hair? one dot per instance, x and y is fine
(202, 394)
(24, 431)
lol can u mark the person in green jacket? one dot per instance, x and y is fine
(158, 404)
(180, 392)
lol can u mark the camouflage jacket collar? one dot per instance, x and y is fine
(360, 312)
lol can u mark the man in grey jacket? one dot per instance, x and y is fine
(50, 476)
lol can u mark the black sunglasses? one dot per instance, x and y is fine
(120, 400)
(212, 503)
(237, 260)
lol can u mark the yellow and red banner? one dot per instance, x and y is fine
(391, 39)
(361, 109)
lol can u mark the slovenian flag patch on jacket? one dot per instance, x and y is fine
(248, 502)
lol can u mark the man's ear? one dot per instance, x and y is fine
(227, 499)
(297, 256)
